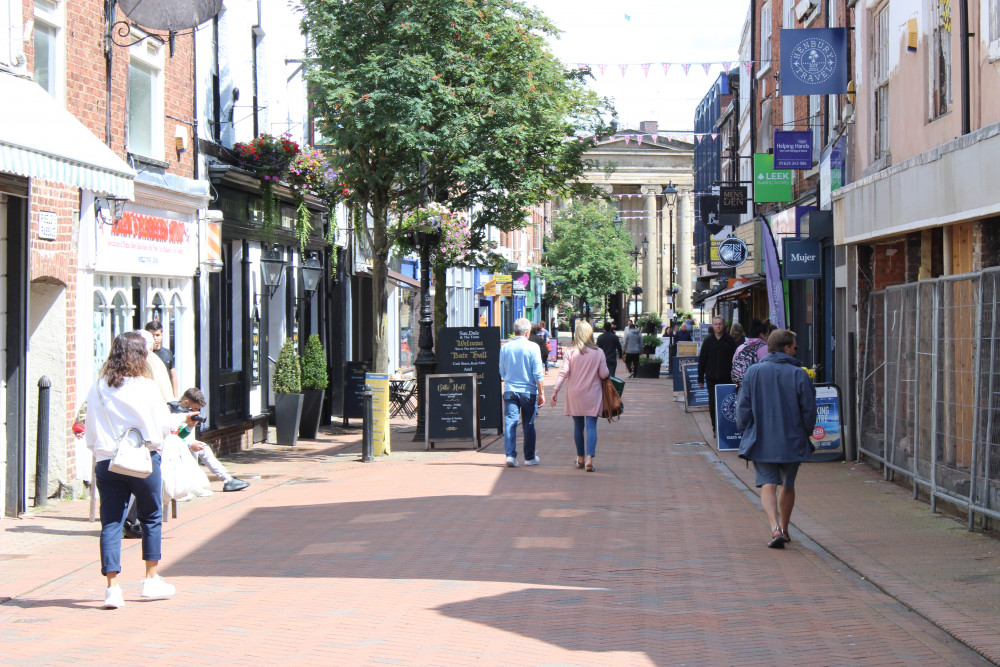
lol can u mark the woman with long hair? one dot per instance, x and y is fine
(583, 368)
(125, 397)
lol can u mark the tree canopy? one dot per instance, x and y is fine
(587, 258)
(458, 101)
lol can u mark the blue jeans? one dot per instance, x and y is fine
(115, 492)
(524, 406)
(578, 426)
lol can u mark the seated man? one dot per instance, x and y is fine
(194, 400)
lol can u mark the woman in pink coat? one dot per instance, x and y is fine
(583, 368)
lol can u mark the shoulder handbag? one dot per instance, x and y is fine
(611, 399)
(131, 455)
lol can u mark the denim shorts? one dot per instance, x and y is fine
(782, 474)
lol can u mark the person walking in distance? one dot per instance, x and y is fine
(125, 397)
(776, 410)
(584, 366)
(523, 392)
(543, 347)
(715, 362)
(611, 346)
(633, 348)
(165, 355)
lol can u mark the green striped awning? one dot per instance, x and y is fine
(40, 139)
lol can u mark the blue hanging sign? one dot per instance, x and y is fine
(814, 61)
(802, 258)
(793, 149)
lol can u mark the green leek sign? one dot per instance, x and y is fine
(770, 184)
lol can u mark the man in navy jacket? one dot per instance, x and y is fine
(776, 410)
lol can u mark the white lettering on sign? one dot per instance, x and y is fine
(802, 257)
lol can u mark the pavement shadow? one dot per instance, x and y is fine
(64, 603)
(55, 531)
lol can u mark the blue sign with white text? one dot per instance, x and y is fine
(793, 149)
(801, 259)
(725, 418)
(814, 61)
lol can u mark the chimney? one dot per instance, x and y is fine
(648, 127)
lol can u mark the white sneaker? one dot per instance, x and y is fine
(185, 498)
(113, 598)
(202, 493)
(511, 462)
(156, 588)
(533, 462)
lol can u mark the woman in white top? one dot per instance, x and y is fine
(125, 397)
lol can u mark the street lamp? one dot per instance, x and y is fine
(272, 261)
(312, 272)
(670, 193)
(636, 254)
(426, 363)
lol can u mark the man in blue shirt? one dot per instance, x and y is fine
(521, 369)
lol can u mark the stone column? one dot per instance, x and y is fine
(685, 245)
(650, 282)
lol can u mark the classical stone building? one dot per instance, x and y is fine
(635, 167)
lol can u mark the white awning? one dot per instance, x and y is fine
(730, 293)
(40, 139)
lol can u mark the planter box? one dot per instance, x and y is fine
(648, 371)
(287, 414)
(312, 406)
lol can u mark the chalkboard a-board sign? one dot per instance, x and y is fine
(475, 350)
(452, 415)
(694, 396)
(354, 386)
(675, 370)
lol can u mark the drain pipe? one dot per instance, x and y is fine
(963, 26)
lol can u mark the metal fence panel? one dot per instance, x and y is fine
(929, 402)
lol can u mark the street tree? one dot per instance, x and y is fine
(586, 257)
(454, 101)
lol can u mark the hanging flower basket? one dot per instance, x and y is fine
(267, 157)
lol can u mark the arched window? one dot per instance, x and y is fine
(102, 332)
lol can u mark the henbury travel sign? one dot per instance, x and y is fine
(801, 259)
(793, 149)
(814, 61)
(770, 184)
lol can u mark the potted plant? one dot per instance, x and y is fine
(649, 367)
(314, 384)
(287, 394)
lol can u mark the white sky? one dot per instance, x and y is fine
(660, 31)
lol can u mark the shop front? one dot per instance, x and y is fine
(261, 292)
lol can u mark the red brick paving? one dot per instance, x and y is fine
(449, 558)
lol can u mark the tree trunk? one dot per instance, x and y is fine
(440, 298)
(380, 273)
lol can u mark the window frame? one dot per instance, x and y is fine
(149, 55)
(939, 95)
(880, 41)
(766, 32)
(51, 14)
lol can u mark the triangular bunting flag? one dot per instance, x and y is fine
(666, 68)
(747, 65)
(707, 67)
(623, 68)
(686, 66)
(726, 66)
(715, 135)
(628, 138)
(645, 68)
(602, 68)
(638, 139)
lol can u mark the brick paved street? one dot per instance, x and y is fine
(449, 558)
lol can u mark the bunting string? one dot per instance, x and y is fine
(722, 66)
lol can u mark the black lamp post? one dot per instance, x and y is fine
(636, 254)
(670, 193)
(425, 363)
(272, 262)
